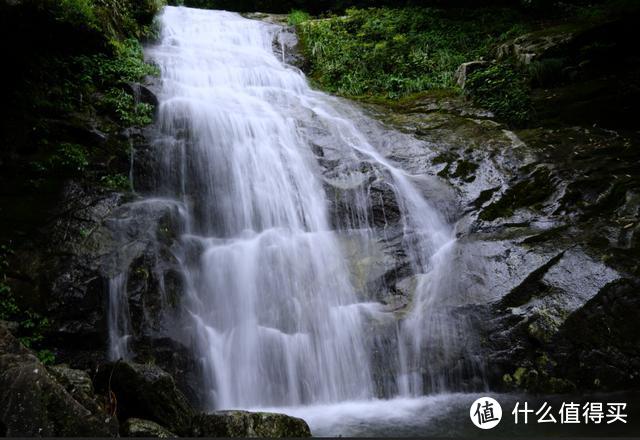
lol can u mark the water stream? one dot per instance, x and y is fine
(271, 305)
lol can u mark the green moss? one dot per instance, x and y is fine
(465, 170)
(519, 375)
(443, 158)
(484, 197)
(529, 192)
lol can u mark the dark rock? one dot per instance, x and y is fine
(142, 93)
(33, 403)
(146, 392)
(527, 48)
(177, 360)
(79, 385)
(249, 424)
(465, 69)
(597, 346)
(145, 428)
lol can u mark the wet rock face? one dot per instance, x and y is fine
(33, 403)
(97, 236)
(547, 218)
(596, 346)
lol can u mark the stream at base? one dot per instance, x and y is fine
(447, 415)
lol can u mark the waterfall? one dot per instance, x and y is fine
(275, 317)
(270, 305)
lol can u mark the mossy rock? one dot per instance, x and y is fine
(145, 391)
(249, 424)
(145, 428)
(527, 193)
(33, 403)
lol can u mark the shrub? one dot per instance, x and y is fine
(66, 160)
(116, 182)
(296, 17)
(124, 107)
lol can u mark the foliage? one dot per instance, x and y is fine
(31, 326)
(297, 16)
(129, 112)
(8, 306)
(126, 64)
(78, 13)
(109, 18)
(502, 89)
(396, 52)
(116, 182)
(66, 160)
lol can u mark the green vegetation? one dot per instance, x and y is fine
(527, 193)
(504, 90)
(67, 160)
(296, 17)
(84, 78)
(67, 100)
(109, 18)
(116, 182)
(30, 326)
(397, 52)
(124, 107)
(123, 63)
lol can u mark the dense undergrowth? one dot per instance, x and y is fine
(68, 98)
(385, 53)
(396, 52)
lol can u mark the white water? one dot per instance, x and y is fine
(271, 308)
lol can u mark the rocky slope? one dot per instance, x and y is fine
(548, 213)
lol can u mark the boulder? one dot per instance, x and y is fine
(145, 428)
(465, 69)
(79, 385)
(249, 424)
(145, 391)
(534, 46)
(33, 403)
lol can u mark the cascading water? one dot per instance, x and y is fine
(275, 317)
(270, 303)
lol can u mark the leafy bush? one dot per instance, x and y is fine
(123, 105)
(77, 13)
(296, 17)
(116, 182)
(502, 89)
(67, 160)
(396, 52)
(126, 64)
